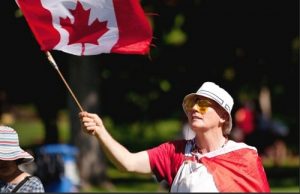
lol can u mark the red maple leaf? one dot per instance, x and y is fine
(80, 31)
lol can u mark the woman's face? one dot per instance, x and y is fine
(204, 114)
(7, 168)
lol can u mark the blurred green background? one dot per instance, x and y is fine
(244, 46)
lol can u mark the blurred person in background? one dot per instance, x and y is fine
(12, 178)
(209, 162)
(245, 122)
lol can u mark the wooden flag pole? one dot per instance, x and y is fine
(53, 63)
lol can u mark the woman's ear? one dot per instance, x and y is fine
(223, 117)
(222, 120)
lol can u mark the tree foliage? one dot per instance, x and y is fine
(242, 45)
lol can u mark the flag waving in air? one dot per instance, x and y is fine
(88, 27)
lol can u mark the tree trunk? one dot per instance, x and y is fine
(85, 83)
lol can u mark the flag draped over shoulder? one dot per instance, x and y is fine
(238, 171)
(88, 27)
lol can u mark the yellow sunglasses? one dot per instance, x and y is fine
(201, 105)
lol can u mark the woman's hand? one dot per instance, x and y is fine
(90, 123)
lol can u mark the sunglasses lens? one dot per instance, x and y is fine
(202, 110)
(204, 103)
(189, 104)
(200, 105)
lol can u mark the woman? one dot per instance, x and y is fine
(12, 179)
(209, 162)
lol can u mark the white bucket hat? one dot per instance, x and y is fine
(9, 146)
(216, 93)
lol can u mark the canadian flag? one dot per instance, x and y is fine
(88, 27)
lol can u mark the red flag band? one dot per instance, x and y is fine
(88, 27)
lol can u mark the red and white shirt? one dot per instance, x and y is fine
(236, 167)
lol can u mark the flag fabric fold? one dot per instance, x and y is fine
(238, 171)
(88, 27)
